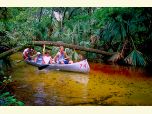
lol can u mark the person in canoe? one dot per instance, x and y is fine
(43, 59)
(39, 58)
(28, 52)
(47, 58)
(61, 57)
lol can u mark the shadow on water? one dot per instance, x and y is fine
(104, 85)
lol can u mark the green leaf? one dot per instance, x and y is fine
(75, 56)
(20, 103)
(4, 94)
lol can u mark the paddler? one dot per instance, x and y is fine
(28, 52)
(61, 57)
(47, 58)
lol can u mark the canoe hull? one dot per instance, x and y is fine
(81, 66)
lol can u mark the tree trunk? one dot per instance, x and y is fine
(11, 51)
(71, 13)
(6, 18)
(62, 22)
(40, 43)
(40, 15)
(90, 13)
(76, 47)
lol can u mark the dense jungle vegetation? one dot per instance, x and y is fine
(126, 31)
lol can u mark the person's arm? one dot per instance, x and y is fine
(43, 62)
(34, 52)
(43, 49)
(56, 57)
(50, 60)
(66, 56)
(26, 55)
(35, 59)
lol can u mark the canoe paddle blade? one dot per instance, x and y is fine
(42, 67)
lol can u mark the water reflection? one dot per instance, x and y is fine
(40, 95)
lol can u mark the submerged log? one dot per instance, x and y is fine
(76, 47)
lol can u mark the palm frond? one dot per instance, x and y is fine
(135, 58)
(68, 51)
(54, 51)
(75, 56)
(85, 44)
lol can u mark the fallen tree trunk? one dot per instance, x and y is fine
(11, 51)
(40, 43)
(76, 47)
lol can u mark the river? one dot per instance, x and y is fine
(104, 85)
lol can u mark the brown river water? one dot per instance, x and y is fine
(104, 85)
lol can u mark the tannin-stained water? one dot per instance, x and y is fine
(104, 85)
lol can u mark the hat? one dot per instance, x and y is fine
(38, 53)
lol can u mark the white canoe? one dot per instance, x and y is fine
(81, 66)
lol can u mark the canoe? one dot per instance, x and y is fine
(81, 66)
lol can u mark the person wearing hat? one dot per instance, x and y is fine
(39, 59)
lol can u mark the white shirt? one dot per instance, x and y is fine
(46, 59)
(25, 50)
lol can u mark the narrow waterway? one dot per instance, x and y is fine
(104, 85)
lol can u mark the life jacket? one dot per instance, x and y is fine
(39, 59)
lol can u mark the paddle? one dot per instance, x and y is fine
(43, 67)
(18, 61)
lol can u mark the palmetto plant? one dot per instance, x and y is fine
(120, 26)
(135, 58)
(72, 54)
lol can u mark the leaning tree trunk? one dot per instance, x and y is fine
(40, 43)
(11, 51)
(76, 47)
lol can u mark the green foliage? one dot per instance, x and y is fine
(7, 80)
(135, 58)
(7, 100)
(38, 49)
(75, 56)
(113, 25)
(4, 65)
(91, 56)
(54, 51)
(72, 54)
(85, 44)
(1, 68)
